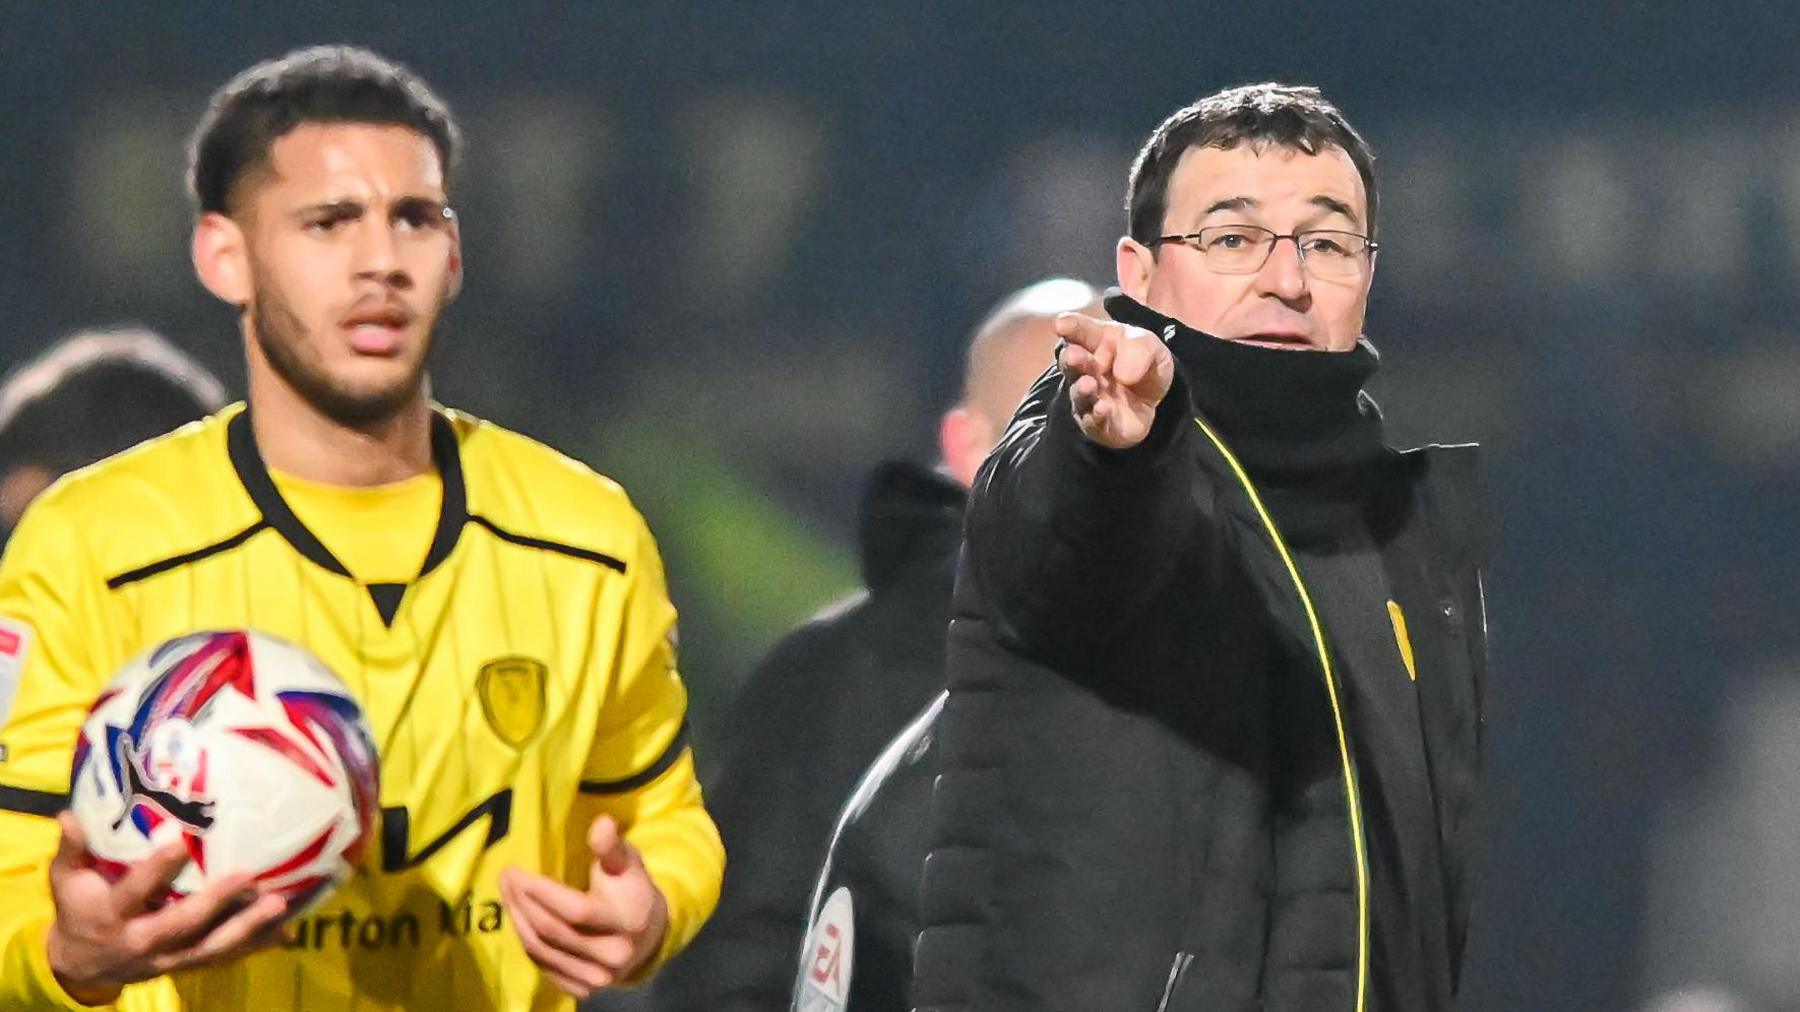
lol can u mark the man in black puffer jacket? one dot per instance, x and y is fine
(827, 697)
(1217, 653)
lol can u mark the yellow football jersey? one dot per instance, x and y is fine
(520, 684)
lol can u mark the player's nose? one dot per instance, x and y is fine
(377, 255)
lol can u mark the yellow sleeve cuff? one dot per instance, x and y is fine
(40, 990)
(684, 859)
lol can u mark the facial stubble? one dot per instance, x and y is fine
(286, 344)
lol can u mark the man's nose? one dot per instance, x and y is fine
(1283, 274)
(377, 254)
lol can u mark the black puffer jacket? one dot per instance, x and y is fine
(1213, 732)
(806, 724)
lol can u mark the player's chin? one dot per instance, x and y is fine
(363, 399)
(379, 375)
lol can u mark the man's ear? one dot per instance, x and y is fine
(964, 438)
(222, 258)
(1135, 263)
(454, 280)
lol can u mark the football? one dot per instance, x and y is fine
(242, 746)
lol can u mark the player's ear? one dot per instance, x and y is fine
(1135, 262)
(454, 280)
(222, 258)
(964, 438)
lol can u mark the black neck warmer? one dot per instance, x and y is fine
(1298, 421)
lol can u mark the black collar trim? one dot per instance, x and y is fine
(453, 513)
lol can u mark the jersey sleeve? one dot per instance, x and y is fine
(51, 609)
(641, 769)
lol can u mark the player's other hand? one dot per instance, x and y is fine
(1116, 376)
(107, 934)
(585, 941)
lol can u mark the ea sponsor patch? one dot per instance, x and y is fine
(826, 960)
(15, 640)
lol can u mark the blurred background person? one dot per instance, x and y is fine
(863, 918)
(87, 397)
(831, 694)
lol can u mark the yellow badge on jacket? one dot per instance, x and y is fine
(1403, 641)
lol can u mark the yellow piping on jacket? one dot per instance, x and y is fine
(1350, 789)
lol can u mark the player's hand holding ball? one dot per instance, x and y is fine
(221, 782)
(1116, 375)
(109, 933)
(585, 941)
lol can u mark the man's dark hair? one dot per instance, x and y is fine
(96, 393)
(323, 84)
(1292, 116)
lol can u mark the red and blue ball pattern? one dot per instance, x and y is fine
(230, 741)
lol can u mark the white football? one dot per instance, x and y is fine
(244, 747)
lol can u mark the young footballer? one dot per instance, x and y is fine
(498, 609)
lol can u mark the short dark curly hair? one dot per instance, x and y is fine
(1292, 116)
(321, 84)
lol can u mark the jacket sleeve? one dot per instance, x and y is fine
(1068, 539)
(51, 611)
(642, 771)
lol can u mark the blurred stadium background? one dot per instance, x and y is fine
(728, 252)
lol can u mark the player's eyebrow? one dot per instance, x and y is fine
(345, 208)
(427, 206)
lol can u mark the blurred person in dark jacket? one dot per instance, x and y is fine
(864, 913)
(1217, 652)
(828, 696)
(87, 397)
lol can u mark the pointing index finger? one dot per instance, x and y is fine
(1082, 330)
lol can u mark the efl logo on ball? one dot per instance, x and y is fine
(243, 747)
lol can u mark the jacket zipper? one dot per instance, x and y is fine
(1351, 791)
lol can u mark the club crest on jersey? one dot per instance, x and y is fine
(512, 697)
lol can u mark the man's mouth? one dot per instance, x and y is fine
(1285, 341)
(377, 330)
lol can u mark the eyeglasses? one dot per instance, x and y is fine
(1244, 249)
